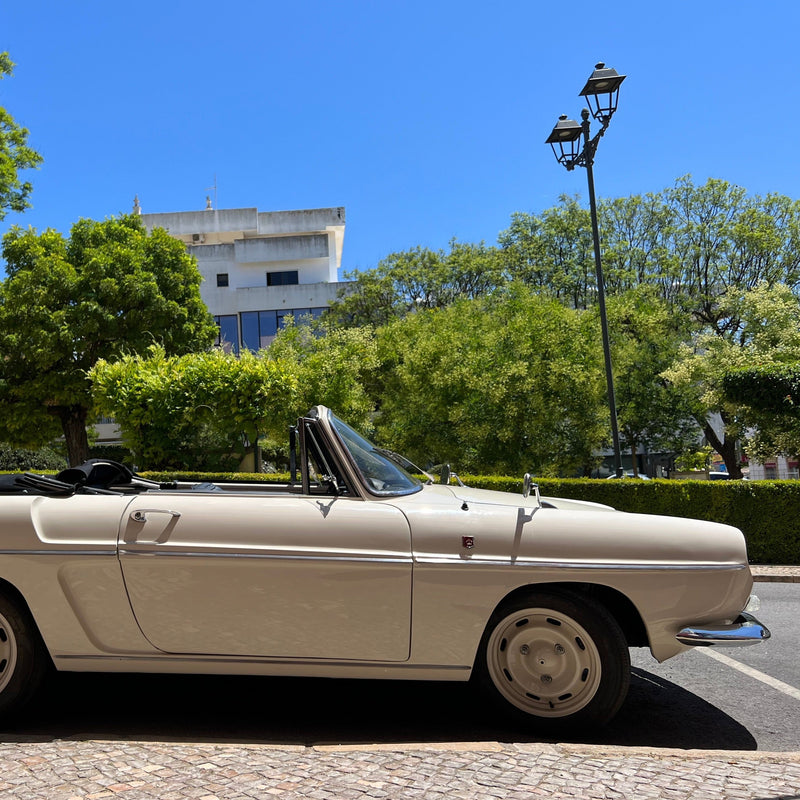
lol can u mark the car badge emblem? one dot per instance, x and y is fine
(468, 542)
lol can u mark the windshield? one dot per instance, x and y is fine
(381, 475)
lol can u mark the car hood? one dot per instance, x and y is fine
(489, 497)
(504, 524)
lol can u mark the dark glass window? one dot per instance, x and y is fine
(286, 278)
(250, 330)
(268, 326)
(222, 279)
(228, 338)
(258, 328)
(299, 315)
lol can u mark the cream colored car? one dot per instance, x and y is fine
(356, 569)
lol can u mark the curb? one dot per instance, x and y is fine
(775, 574)
(560, 748)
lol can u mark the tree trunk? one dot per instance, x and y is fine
(73, 423)
(634, 458)
(726, 447)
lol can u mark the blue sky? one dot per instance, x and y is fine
(426, 120)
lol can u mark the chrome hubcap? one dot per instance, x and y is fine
(544, 662)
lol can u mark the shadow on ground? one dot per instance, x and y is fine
(304, 711)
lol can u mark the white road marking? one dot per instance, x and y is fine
(753, 673)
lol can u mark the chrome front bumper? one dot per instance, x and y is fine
(743, 631)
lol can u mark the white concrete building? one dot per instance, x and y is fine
(258, 267)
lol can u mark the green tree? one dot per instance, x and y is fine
(15, 155)
(333, 366)
(770, 397)
(638, 235)
(195, 410)
(646, 336)
(553, 252)
(417, 279)
(724, 241)
(689, 243)
(506, 383)
(762, 330)
(109, 289)
(192, 411)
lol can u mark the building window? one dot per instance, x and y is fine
(792, 470)
(298, 315)
(258, 329)
(286, 278)
(228, 338)
(222, 279)
(770, 471)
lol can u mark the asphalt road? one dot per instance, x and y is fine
(693, 701)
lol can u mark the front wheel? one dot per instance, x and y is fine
(23, 660)
(553, 656)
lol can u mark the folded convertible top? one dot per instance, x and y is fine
(95, 476)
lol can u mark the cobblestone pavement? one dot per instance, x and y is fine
(90, 770)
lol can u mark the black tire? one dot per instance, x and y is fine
(554, 658)
(23, 659)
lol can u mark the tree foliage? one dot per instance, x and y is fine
(508, 383)
(770, 397)
(194, 410)
(695, 248)
(645, 338)
(200, 410)
(689, 243)
(761, 328)
(108, 290)
(333, 366)
(417, 279)
(553, 252)
(675, 263)
(15, 155)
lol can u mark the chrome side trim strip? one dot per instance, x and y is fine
(531, 563)
(110, 552)
(274, 556)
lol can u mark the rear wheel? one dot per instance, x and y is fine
(22, 657)
(554, 657)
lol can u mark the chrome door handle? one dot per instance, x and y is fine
(141, 514)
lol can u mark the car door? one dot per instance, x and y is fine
(283, 576)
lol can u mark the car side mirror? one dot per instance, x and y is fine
(528, 484)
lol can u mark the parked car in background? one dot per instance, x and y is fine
(356, 569)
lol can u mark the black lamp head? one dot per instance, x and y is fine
(602, 92)
(565, 140)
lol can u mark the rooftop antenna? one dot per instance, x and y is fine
(209, 207)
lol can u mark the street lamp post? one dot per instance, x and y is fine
(601, 92)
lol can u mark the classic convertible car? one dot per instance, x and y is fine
(355, 568)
